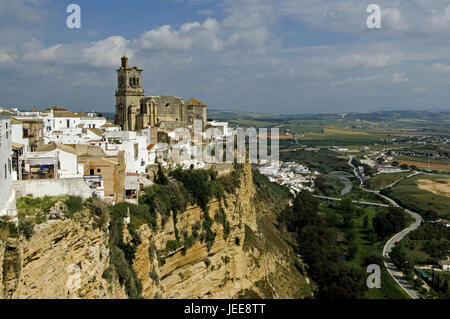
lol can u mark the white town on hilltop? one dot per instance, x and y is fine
(57, 151)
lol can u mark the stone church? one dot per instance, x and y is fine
(135, 111)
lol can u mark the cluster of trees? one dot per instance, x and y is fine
(441, 285)
(386, 224)
(437, 248)
(317, 245)
(327, 186)
(121, 254)
(401, 260)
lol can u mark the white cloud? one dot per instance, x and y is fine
(399, 78)
(206, 12)
(441, 67)
(190, 36)
(6, 57)
(420, 90)
(394, 19)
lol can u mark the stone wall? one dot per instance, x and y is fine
(53, 187)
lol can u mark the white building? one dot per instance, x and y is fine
(134, 146)
(17, 134)
(7, 195)
(57, 118)
(445, 264)
(92, 121)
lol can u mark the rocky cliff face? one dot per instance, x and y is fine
(66, 259)
(63, 259)
(252, 261)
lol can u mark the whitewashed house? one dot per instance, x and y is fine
(92, 121)
(7, 195)
(17, 134)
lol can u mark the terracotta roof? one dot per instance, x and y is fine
(109, 125)
(96, 131)
(55, 108)
(15, 121)
(57, 113)
(53, 146)
(195, 102)
(132, 174)
(2, 110)
(16, 146)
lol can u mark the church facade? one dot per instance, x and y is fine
(135, 111)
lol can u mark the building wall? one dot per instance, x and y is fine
(33, 130)
(68, 166)
(92, 122)
(113, 176)
(58, 123)
(7, 200)
(17, 136)
(195, 112)
(53, 187)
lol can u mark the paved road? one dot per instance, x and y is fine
(390, 266)
(393, 270)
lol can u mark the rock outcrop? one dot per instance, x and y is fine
(67, 258)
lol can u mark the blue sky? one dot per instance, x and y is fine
(285, 56)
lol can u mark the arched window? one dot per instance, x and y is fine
(167, 105)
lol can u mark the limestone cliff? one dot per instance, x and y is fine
(63, 259)
(252, 261)
(68, 258)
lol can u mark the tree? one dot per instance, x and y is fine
(160, 177)
(386, 224)
(404, 166)
(26, 227)
(366, 221)
(352, 250)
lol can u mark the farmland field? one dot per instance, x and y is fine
(408, 194)
(381, 181)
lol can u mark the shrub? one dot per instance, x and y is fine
(26, 227)
(172, 245)
(74, 203)
(99, 211)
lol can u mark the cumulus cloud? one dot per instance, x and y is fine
(242, 59)
(103, 54)
(394, 19)
(6, 57)
(190, 35)
(399, 78)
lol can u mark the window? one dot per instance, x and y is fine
(91, 171)
(99, 170)
(167, 105)
(6, 172)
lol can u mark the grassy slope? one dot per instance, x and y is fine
(381, 181)
(410, 196)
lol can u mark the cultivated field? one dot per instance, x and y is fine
(408, 194)
(436, 166)
(436, 186)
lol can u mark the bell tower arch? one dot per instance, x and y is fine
(129, 93)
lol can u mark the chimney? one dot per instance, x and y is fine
(124, 62)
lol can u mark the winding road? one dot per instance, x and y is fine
(388, 263)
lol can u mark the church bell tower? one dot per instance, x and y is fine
(129, 93)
